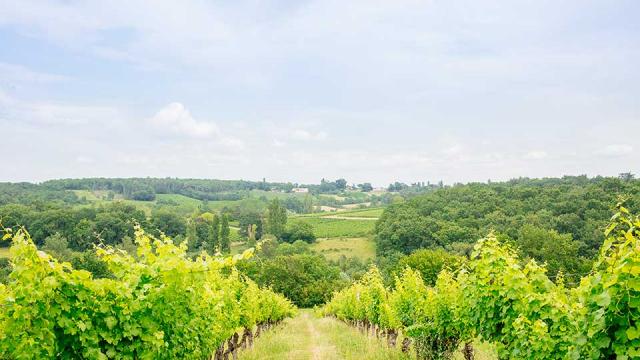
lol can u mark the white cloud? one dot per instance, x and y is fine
(176, 119)
(11, 73)
(448, 68)
(305, 135)
(615, 150)
(84, 160)
(55, 113)
(536, 155)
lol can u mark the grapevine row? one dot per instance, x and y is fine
(497, 299)
(158, 304)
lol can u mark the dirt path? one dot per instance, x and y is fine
(307, 337)
(320, 347)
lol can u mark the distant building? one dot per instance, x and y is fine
(300, 190)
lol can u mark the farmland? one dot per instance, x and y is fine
(333, 248)
(331, 228)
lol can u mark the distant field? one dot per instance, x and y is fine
(4, 252)
(331, 196)
(96, 195)
(334, 248)
(373, 213)
(368, 212)
(331, 228)
(183, 204)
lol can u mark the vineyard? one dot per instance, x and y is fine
(517, 308)
(158, 305)
(331, 228)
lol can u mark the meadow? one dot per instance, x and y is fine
(331, 228)
(365, 213)
(333, 248)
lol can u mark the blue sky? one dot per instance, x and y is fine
(299, 90)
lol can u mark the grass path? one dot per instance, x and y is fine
(307, 337)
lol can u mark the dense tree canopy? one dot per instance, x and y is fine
(299, 230)
(307, 279)
(577, 206)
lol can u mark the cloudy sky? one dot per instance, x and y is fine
(299, 90)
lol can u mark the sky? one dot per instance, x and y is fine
(370, 91)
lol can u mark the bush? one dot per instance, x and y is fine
(299, 231)
(305, 279)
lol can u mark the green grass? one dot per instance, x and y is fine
(334, 248)
(332, 196)
(366, 213)
(307, 337)
(238, 247)
(181, 200)
(234, 235)
(4, 252)
(331, 228)
(89, 195)
(481, 351)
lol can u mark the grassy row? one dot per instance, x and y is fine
(307, 337)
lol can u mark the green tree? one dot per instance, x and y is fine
(276, 218)
(215, 234)
(259, 229)
(428, 263)
(203, 224)
(84, 234)
(168, 222)
(58, 246)
(558, 251)
(225, 232)
(299, 230)
(308, 204)
(306, 279)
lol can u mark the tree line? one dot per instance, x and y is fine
(559, 221)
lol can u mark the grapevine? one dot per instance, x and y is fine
(158, 304)
(499, 299)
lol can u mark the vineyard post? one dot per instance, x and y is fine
(468, 351)
(406, 343)
(392, 336)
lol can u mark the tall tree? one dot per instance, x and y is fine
(276, 218)
(308, 204)
(215, 233)
(225, 231)
(259, 229)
